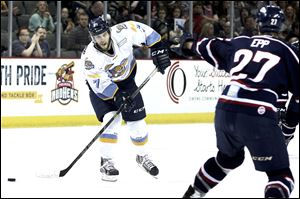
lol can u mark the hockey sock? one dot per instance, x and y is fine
(209, 175)
(280, 185)
(215, 170)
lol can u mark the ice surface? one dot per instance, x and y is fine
(178, 150)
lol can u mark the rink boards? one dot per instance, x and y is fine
(52, 92)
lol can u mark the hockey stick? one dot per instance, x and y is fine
(63, 172)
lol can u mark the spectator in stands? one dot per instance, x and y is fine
(113, 10)
(123, 15)
(4, 9)
(24, 46)
(176, 22)
(239, 20)
(66, 22)
(294, 33)
(226, 28)
(209, 13)
(207, 30)
(79, 36)
(160, 24)
(78, 12)
(253, 6)
(42, 17)
(184, 6)
(222, 8)
(290, 17)
(281, 4)
(41, 31)
(219, 30)
(139, 10)
(176, 13)
(249, 27)
(198, 20)
(95, 10)
(154, 10)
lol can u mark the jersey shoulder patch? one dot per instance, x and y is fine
(88, 65)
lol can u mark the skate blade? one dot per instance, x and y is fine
(140, 166)
(109, 178)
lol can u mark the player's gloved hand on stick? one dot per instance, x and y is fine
(160, 56)
(122, 97)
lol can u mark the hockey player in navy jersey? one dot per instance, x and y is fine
(246, 114)
(110, 68)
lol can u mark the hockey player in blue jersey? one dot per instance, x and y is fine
(110, 69)
(246, 114)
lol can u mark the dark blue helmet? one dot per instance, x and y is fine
(98, 26)
(270, 18)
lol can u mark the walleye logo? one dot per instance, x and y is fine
(64, 91)
(117, 71)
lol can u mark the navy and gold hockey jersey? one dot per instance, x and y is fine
(261, 68)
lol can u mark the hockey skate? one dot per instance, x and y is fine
(192, 193)
(108, 170)
(147, 164)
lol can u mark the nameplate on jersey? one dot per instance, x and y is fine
(260, 43)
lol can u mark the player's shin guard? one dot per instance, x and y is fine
(280, 185)
(139, 135)
(214, 171)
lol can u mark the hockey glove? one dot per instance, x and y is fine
(179, 47)
(160, 57)
(122, 97)
(281, 115)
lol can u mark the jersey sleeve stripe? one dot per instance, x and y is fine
(152, 39)
(108, 92)
(210, 54)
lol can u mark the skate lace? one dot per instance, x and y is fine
(108, 165)
(148, 163)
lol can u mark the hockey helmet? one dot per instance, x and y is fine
(98, 26)
(270, 18)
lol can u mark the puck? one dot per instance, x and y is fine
(11, 179)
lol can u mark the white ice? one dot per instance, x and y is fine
(178, 149)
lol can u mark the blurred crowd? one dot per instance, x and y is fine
(35, 22)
